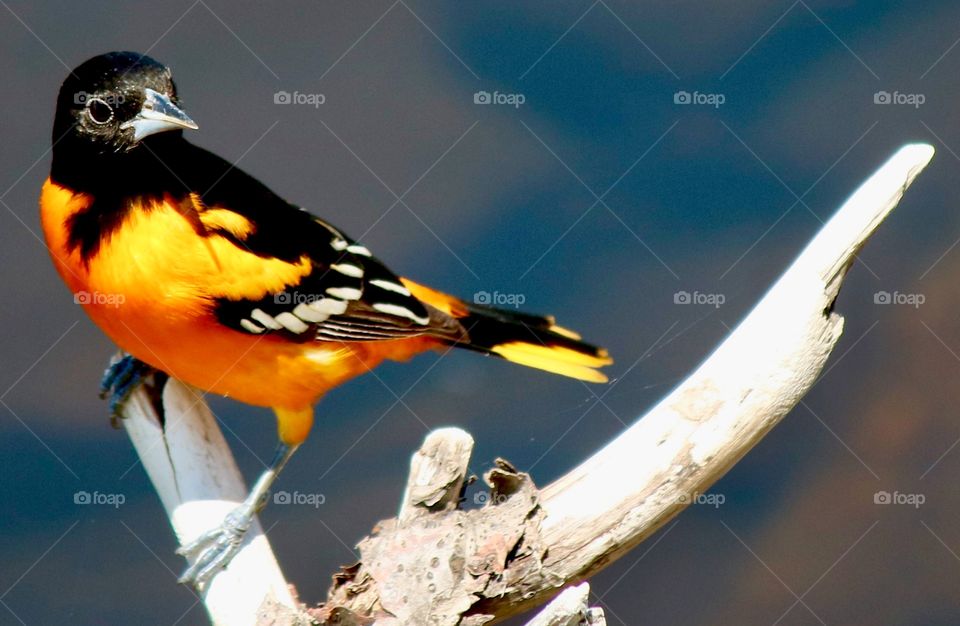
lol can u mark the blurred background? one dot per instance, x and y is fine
(592, 159)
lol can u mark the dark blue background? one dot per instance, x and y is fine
(710, 205)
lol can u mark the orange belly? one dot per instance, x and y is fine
(146, 288)
(265, 371)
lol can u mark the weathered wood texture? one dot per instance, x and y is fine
(438, 564)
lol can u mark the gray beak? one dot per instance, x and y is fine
(157, 115)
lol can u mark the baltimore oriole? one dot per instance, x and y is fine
(198, 270)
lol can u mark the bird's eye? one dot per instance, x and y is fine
(99, 111)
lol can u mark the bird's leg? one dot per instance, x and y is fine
(120, 380)
(214, 549)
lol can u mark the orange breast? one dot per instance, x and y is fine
(148, 285)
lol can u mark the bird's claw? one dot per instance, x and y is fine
(213, 550)
(120, 380)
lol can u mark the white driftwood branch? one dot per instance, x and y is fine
(570, 608)
(644, 477)
(481, 566)
(628, 489)
(437, 472)
(191, 467)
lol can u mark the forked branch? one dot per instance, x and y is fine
(438, 564)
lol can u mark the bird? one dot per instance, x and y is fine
(197, 270)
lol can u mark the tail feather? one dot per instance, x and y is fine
(531, 340)
(550, 359)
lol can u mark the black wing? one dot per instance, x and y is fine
(348, 295)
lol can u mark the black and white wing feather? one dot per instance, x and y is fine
(348, 296)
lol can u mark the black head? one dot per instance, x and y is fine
(111, 103)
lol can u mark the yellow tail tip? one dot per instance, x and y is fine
(556, 359)
(565, 332)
